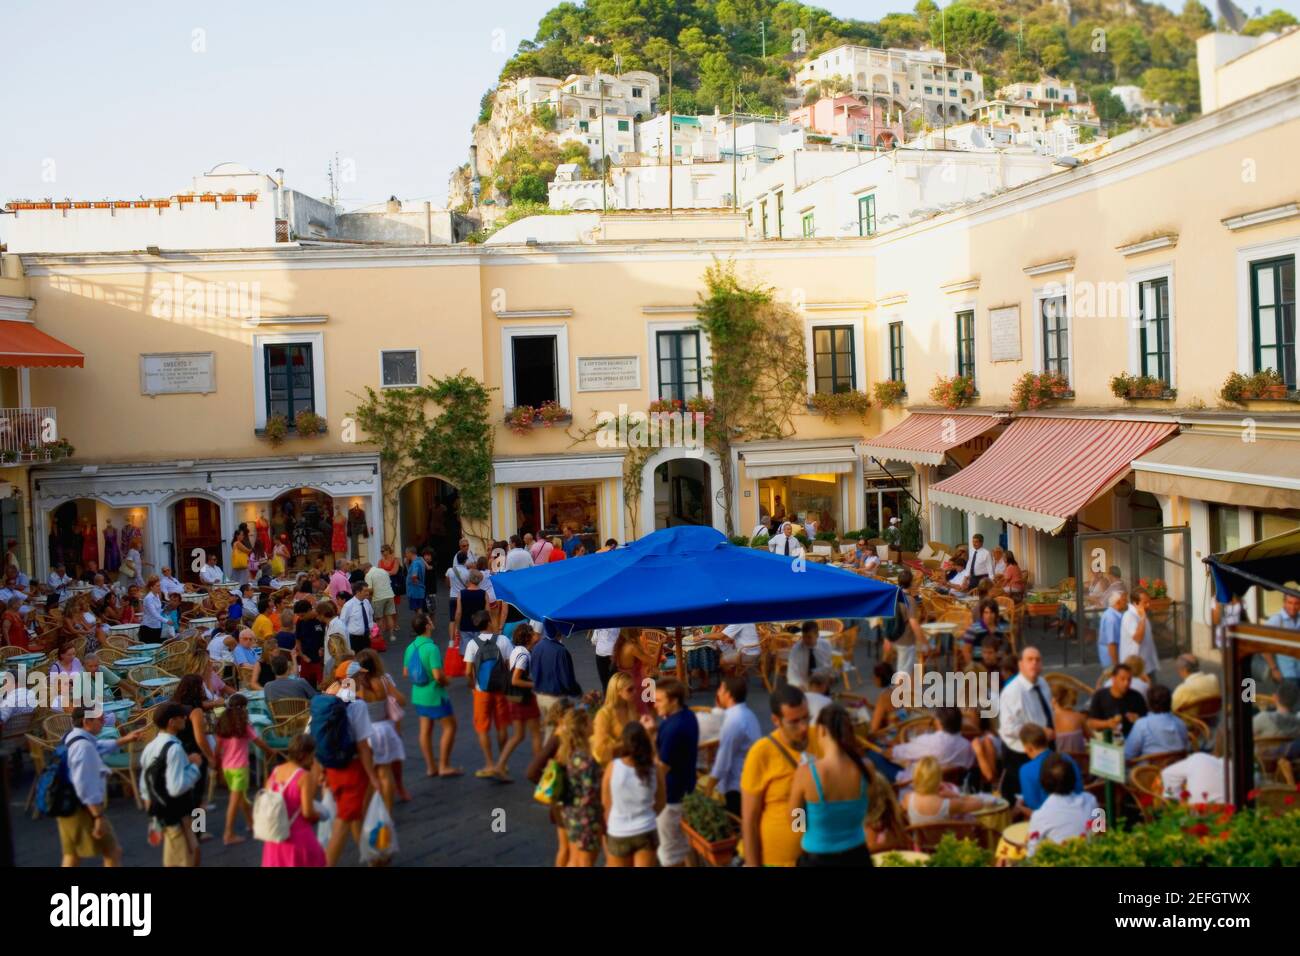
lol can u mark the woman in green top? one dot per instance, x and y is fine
(431, 701)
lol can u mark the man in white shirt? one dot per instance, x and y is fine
(180, 847)
(517, 558)
(818, 692)
(357, 616)
(98, 588)
(1199, 775)
(1026, 699)
(1136, 637)
(980, 563)
(58, 581)
(604, 638)
(999, 562)
(812, 653)
(741, 645)
(945, 744)
(212, 574)
(1064, 815)
(786, 543)
(170, 585)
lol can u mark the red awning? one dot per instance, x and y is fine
(923, 438)
(1041, 471)
(25, 346)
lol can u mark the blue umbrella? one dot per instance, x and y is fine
(688, 576)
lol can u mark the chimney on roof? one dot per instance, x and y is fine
(394, 204)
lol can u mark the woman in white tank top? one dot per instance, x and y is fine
(633, 793)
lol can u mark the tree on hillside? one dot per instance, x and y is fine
(1177, 87)
(970, 33)
(528, 188)
(1269, 23)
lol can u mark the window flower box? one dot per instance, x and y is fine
(1034, 390)
(831, 405)
(307, 423)
(520, 419)
(955, 392)
(889, 393)
(1262, 386)
(1133, 387)
(185, 198)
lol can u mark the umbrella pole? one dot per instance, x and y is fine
(681, 658)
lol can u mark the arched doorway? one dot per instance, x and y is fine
(196, 527)
(304, 519)
(681, 487)
(429, 516)
(86, 529)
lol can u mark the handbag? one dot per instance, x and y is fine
(553, 789)
(454, 664)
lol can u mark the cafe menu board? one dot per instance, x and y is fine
(609, 373)
(1004, 334)
(177, 373)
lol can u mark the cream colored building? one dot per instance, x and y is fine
(1174, 256)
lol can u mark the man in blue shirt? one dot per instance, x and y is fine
(1032, 793)
(1285, 666)
(1159, 732)
(677, 741)
(1110, 627)
(739, 731)
(552, 672)
(415, 572)
(570, 542)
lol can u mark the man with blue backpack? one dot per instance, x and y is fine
(72, 790)
(340, 725)
(487, 668)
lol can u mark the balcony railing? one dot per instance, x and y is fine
(31, 434)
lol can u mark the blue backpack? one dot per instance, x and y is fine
(332, 731)
(55, 794)
(420, 676)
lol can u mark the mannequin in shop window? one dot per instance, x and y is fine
(339, 536)
(90, 544)
(264, 532)
(301, 537)
(73, 545)
(357, 527)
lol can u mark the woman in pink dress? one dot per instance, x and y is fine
(296, 779)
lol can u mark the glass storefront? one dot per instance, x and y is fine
(802, 498)
(549, 509)
(885, 499)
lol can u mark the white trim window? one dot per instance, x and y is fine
(399, 368)
(673, 361)
(1053, 339)
(288, 375)
(835, 350)
(535, 365)
(964, 354)
(1151, 339)
(1259, 269)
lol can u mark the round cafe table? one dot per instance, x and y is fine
(126, 663)
(27, 659)
(943, 631)
(119, 708)
(159, 682)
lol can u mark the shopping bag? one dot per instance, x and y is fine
(325, 825)
(553, 789)
(378, 837)
(454, 664)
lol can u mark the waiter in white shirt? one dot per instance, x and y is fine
(812, 653)
(1026, 699)
(980, 563)
(170, 585)
(357, 615)
(786, 543)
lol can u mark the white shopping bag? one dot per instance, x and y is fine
(378, 835)
(325, 825)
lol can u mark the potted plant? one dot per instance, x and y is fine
(307, 423)
(955, 392)
(1234, 389)
(832, 405)
(701, 405)
(710, 830)
(889, 393)
(520, 419)
(1267, 384)
(1130, 387)
(665, 406)
(1033, 390)
(1160, 600)
(552, 412)
(759, 541)
(276, 430)
(739, 541)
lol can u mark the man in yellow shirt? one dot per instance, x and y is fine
(263, 626)
(767, 825)
(1196, 684)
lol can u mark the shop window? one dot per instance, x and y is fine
(535, 366)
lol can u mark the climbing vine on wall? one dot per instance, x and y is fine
(454, 444)
(758, 377)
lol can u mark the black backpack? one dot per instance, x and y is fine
(496, 680)
(898, 629)
(162, 805)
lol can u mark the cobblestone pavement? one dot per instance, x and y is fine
(449, 822)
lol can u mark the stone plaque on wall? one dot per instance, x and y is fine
(609, 373)
(177, 373)
(1004, 334)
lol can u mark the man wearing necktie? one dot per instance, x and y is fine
(980, 563)
(812, 653)
(356, 619)
(1025, 699)
(786, 543)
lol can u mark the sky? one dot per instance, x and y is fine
(131, 98)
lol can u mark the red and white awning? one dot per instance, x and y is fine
(925, 438)
(1042, 471)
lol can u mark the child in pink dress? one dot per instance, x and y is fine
(234, 734)
(297, 781)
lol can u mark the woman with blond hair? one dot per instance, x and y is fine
(617, 711)
(551, 751)
(214, 688)
(582, 814)
(933, 801)
(379, 692)
(631, 657)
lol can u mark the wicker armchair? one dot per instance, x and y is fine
(1144, 780)
(56, 726)
(287, 707)
(926, 836)
(1082, 691)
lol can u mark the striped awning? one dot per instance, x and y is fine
(23, 345)
(924, 438)
(1042, 471)
(783, 463)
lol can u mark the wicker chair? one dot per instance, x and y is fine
(1268, 754)
(136, 677)
(926, 836)
(1198, 732)
(776, 657)
(12, 651)
(1144, 780)
(56, 726)
(830, 624)
(1082, 691)
(1206, 710)
(281, 733)
(913, 728)
(110, 655)
(117, 641)
(288, 707)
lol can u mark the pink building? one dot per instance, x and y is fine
(851, 119)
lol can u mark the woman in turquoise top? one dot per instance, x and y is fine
(829, 795)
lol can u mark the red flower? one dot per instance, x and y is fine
(1184, 794)
(1035, 835)
(1230, 809)
(1289, 800)
(1255, 793)
(1225, 835)
(1199, 830)
(1199, 808)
